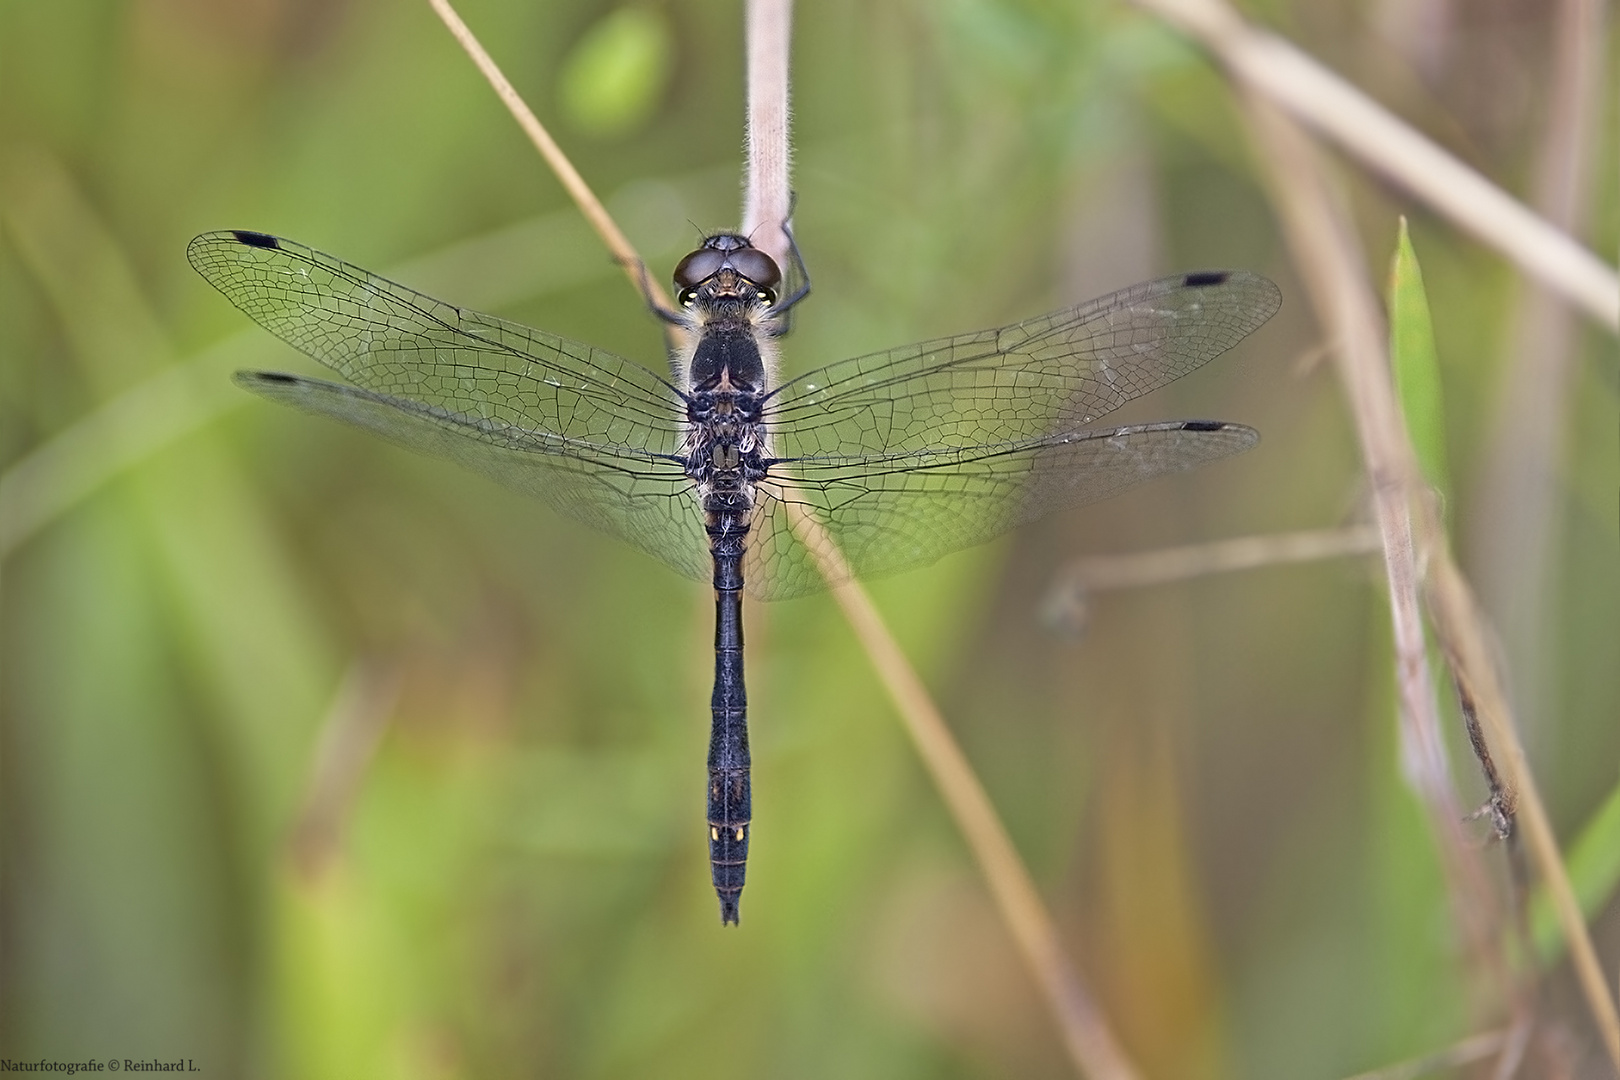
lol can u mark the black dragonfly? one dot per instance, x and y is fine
(901, 456)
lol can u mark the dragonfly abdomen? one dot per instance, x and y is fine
(730, 792)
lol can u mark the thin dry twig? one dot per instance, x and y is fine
(1458, 622)
(349, 737)
(1096, 573)
(572, 182)
(1086, 1036)
(1085, 1033)
(1467, 1051)
(1311, 93)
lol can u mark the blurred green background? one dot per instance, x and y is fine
(323, 760)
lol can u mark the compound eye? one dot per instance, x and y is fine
(696, 267)
(757, 267)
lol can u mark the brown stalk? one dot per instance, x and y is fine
(1465, 1052)
(1090, 1043)
(768, 196)
(572, 182)
(349, 736)
(1459, 625)
(1296, 82)
(1086, 1035)
(1134, 570)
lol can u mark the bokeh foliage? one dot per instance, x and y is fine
(1206, 786)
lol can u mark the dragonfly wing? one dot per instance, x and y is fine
(895, 512)
(384, 337)
(642, 498)
(1058, 372)
(588, 432)
(911, 453)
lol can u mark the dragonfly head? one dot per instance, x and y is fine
(727, 267)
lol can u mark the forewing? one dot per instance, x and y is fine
(1055, 373)
(887, 514)
(908, 454)
(384, 337)
(590, 433)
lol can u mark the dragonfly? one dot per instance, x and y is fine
(899, 456)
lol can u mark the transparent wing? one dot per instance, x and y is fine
(910, 454)
(592, 434)
(895, 512)
(902, 456)
(385, 337)
(1055, 373)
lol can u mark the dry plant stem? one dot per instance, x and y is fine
(1514, 1047)
(1469, 1050)
(1097, 572)
(575, 185)
(1085, 1034)
(1457, 621)
(1067, 601)
(1499, 808)
(349, 737)
(1294, 81)
(767, 199)
(1328, 255)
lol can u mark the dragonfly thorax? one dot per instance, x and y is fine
(725, 443)
(727, 355)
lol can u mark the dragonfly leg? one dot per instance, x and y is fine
(801, 271)
(644, 286)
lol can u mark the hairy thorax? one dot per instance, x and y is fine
(727, 369)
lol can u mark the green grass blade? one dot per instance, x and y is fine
(1416, 362)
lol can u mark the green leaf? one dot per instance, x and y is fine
(1416, 363)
